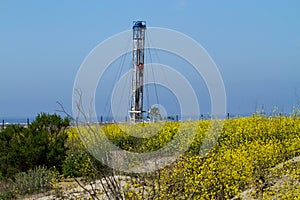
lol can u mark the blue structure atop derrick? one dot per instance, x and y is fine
(139, 24)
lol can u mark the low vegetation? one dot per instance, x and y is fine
(254, 157)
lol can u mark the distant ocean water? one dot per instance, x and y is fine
(16, 120)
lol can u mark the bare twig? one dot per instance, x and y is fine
(63, 110)
(82, 186)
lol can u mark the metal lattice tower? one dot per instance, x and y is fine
(137, 82)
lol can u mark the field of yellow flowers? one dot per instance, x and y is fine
(252, 156)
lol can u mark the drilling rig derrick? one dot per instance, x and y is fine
(137, 81)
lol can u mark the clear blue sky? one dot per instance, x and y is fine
(255, 44)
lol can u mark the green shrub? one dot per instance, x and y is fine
(33, 180)
(7, 195)
(42, 143)
(6, 189)
(76, 164)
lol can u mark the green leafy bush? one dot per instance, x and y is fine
(77, 164)
(6, 189)
(42, 143)
(33, 180)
